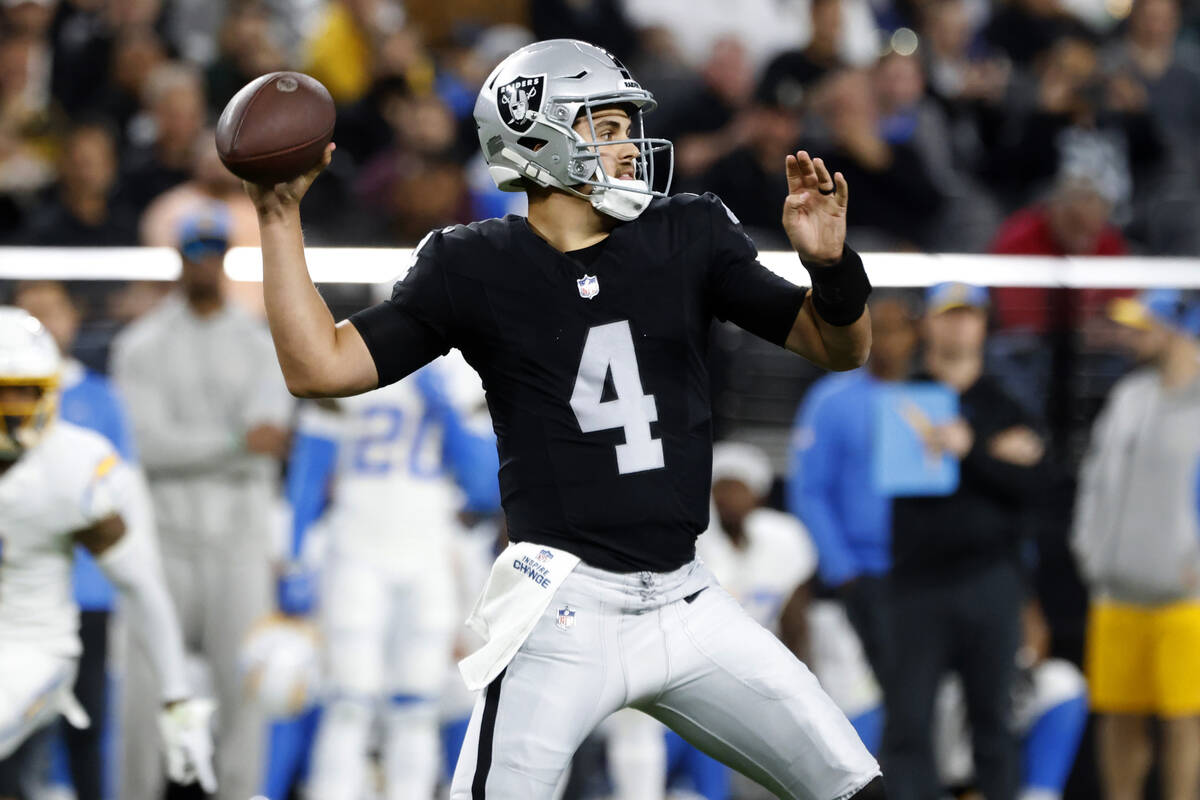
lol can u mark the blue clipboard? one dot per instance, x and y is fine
(903, 467)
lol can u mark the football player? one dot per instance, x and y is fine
(387, 597)
(588, 321)
(62, 485)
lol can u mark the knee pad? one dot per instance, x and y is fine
(872, 791)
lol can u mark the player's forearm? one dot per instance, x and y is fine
(132, 563)
(833, 347)
(846, 346)
(301, 326)
(833, 328)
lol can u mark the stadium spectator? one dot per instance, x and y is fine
(1168, 69)
(694, 28)
(898, 195)
(792, 73)
(601, 22)
(248, 48)
(26, 116)
(90, 401)
(29, 18)
(416, 184)
(1074, 221)
(831, 476)
(174, 96)
(83, 213)
(707, 124)
(1083, 120)
(748, 179)
(341, 52)
(364, 129)
(210, 184)
(969, 82)
(910, 117)
(955, 587)
(81, 41)
(137, 53)
(210, 410)
(1025, 29)
(1137, 541)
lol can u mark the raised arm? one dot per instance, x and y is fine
(832, 328)
(319, 358)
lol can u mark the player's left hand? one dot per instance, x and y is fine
(814, 213)
(187, 736)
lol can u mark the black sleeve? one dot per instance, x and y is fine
(414, 326)
(743, 291)
(1010, 481)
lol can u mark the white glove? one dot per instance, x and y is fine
(187, 737)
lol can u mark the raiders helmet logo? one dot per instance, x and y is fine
(519, 100)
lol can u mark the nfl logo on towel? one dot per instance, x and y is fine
(545, 555)
(566, 618)
(589, 286)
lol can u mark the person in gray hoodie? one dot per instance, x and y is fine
(1137, 541)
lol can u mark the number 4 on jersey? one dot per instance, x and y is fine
(610, 347)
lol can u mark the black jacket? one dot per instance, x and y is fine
(982, 522)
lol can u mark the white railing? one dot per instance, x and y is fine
(383, 265)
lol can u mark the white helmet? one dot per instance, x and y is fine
(29, 359)
(280, 665)
(524, 116)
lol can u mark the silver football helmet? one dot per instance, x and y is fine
(525, 115)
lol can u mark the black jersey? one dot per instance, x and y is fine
(595, 370)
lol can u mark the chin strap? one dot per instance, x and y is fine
(623, 200)
(618, 201)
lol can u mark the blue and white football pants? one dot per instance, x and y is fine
(388, 641)
(678, 647)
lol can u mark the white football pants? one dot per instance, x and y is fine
(678, 647)
(35, 687)
(388, 640)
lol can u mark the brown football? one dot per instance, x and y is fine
(276, 127)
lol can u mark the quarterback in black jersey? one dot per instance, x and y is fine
(588, 322)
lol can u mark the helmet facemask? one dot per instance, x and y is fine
(622, 198)
(23, 421)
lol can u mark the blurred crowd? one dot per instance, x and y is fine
(1025, 126)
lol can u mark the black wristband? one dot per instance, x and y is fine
(840, 291)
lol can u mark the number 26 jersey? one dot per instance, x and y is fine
(594, 365)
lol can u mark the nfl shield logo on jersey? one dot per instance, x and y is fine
(589, 286)
(566, 618)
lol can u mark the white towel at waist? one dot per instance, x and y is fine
(522, 583)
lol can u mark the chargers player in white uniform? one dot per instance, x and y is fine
(388, 596)
(764, 559)
(61, 485)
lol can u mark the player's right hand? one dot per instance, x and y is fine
(271, 200)
(187, 736)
